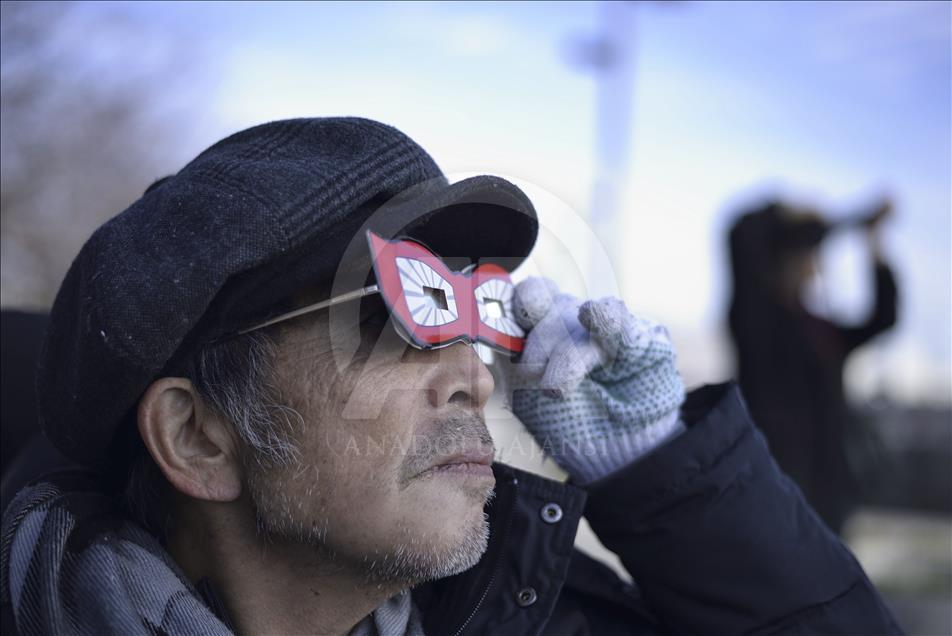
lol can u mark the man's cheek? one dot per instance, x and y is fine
(365, 511)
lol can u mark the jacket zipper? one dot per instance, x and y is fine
(498, 565)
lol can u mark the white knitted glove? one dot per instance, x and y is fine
(595, 386)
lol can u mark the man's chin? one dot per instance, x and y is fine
(445, 552)
(453, 516)
(450, 504)
(466, 551)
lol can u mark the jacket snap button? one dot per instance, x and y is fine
(526, 597)
(551, 512)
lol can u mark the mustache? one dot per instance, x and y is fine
(459, 433)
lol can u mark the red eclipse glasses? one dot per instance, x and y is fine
(431, 305)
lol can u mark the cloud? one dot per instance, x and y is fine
(884, 41)
(467, 34)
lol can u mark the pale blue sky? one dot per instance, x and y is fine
(829, 102)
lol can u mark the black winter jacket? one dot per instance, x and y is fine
(716, 538)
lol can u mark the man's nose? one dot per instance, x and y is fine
(460, 378)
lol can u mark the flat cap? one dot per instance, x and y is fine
(239, 229)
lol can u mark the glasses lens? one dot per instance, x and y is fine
(430, 298)
(494, 302)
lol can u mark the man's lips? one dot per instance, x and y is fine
(474, 462)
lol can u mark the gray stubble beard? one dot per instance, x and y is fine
(410, 561)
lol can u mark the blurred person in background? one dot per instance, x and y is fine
(790, 361)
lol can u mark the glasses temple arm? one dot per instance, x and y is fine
(351, 295)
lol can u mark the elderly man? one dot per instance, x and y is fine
(263, 370)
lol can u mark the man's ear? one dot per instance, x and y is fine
(194, 448)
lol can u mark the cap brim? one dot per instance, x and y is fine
(483, 219)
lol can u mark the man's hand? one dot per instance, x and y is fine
(596, 386)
